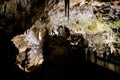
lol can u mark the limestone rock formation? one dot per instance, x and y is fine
(30, 51)
(16, 16)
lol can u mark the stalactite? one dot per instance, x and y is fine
(67, 5)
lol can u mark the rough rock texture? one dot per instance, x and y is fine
(30, 51)
(18, 16)
(97, 21)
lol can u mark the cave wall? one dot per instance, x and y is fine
(16, 16)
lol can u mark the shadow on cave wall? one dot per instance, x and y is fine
(16, 16)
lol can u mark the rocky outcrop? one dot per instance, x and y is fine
(30, 51)
(16, 16)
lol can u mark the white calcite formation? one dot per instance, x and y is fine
(30, 50)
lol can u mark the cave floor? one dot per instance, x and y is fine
(72, 67)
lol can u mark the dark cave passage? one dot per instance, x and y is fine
(74, 67)
(68, 67)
